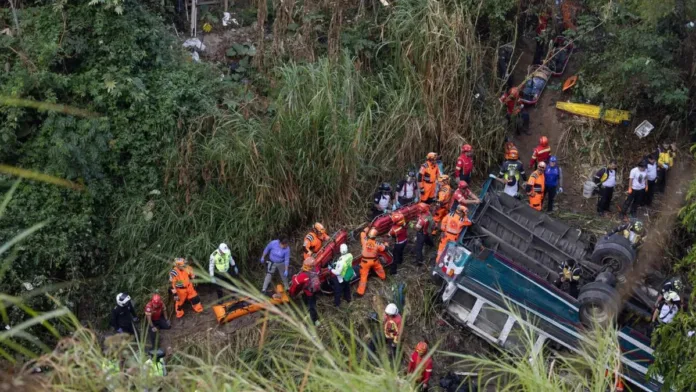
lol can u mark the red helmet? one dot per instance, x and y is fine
(397, 217)
(544, 141)
(467, 148)
(156, 299)
(422, 348)
(515, 92)
(463, 184)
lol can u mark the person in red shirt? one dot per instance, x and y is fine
(465, 164)
(424, 225)
(392, 328)
(156, 316)
(513, 107)
(420, 363)
(308, 283)
(541, 153)
(400, 233)
(463, 195)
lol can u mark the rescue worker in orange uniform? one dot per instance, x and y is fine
(541, 153)
(444, 199)
(392, 328)
(464, 196)
(400, 233)
(452, 226)
(314, 240)
(370, 260)
(181, 277)
(426, 365)
(427, 179)
(465, 164)
(536, 186)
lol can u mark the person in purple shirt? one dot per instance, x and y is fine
(278, 253)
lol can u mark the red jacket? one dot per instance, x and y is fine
(399, 232)
(465, 164)
(155, 310)
(460, 196)
(300, 282)
(540, 154)
(424, 222)
(427, 369)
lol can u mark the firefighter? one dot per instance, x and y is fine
(541, 153)
(400, 233)
(674, 284)
(278, 253)
(665, 311)
(512, 159)
(382, 201)
(463, 196)
(553, 182)
(633, 232)
(308, 282)
(651, 176)
(637, 183)
(123, 317)
(569, 273)
(423, 226)
(465, 164)
(157, 319)
(392, 328)
(370, 257)
(444, 199)
(605, 179)
(424, 365)
(665, 161)
(314, 240)
(222, 265)
(406, 190)
(511, 181)
(181, 277)
(342, 273)
(513, 110)
(535, 187)
(452, 226)
(427, 179)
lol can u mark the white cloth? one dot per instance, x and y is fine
(637, 179)
(667, 313)
(337, 270)
(408, 190)
(610, 182)
(652, 171)
(511, 190)
(384, 201)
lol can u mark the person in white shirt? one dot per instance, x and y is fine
(406, 189)
(665, 312)
(341, 275)
(605, 178)
(651, 170)
(382, 201)
(637, 184)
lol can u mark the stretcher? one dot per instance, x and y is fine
(231, 310)
(533, 88)
(613, 116)
(561, 55)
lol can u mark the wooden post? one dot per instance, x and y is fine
(226, 5)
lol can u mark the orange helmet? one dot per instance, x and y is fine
(156, 298)
(372, 233)
(462, 210)
(463, 184)
(319, 228)
(424, 207)
(544, 141)
(515, 92)
(467, 148)
(180, 262)
(432, 156)
(397, 217)
(308, 264)
(513, 154)
(422, 348)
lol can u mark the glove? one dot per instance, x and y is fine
(173, 291)
(176, 298)
(236, 270)
(394, 207)
(385, 210)
(262, 260)
(560, 189)
(154, 329)
(135, 319)
(212, 280)
(286, 272)
(120, 330)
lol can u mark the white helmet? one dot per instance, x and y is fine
(224, 248)
(122, 299)
(391, 310)
(672, 296)
(344, 249)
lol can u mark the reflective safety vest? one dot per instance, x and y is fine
(429, 174)
(392, 327)
(444, 195)
(110, 366)
(155, 368)
(181, 279)
(536, 183)
(631, 236)
(453, 224)
(222, 261)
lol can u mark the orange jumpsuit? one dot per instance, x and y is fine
(427, 181)
(536, 187)
(370, 261)
(313, 243)
(182, 285)
(444, 197)
(452, 226)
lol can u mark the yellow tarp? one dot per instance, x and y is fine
(613, 116)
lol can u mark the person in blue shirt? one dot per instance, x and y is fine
(278, 252)
(553, 176)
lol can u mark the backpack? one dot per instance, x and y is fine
(314, 284)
